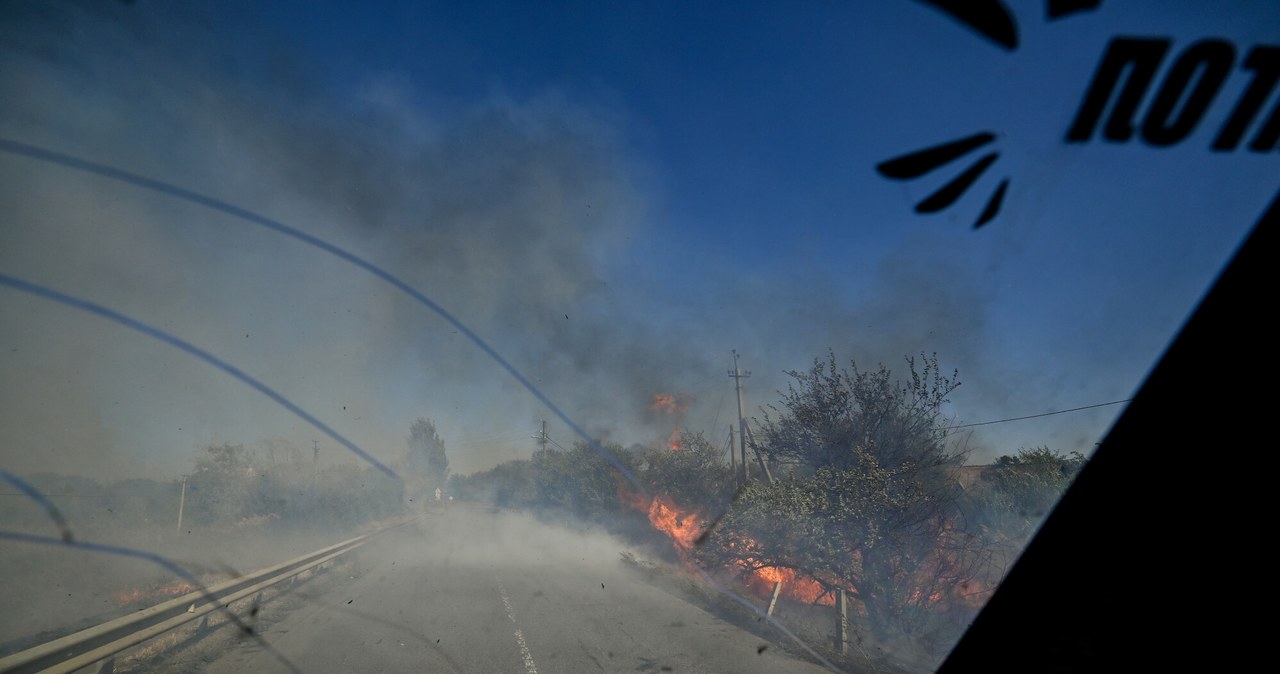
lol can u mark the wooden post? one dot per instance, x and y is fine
(777, 587)
(842, 622)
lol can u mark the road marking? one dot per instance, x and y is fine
(529, 667)
(524, 653)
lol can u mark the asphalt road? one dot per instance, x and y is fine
(471, 590)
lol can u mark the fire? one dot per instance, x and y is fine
(664, 402)
(684, 528)
(918, 595)
(797, 587)
(140, 594)
(676, 405)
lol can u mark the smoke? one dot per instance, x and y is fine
(501, 211)
(530, 218)
(505, 212)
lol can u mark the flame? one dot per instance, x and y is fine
(795, 586)
(664, 402)
(171, 590)
(684, 528)
(681, 526)
(677, 405)
(918, 595)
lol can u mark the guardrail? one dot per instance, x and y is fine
(100, 642)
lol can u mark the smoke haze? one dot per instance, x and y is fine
(531, 217)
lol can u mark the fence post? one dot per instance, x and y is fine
(777, 587)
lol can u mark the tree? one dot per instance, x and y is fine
(581, 481)
(694, 477)
(222, 485)
(1025, 487)
(509, 485)
(870, 503)
(828, 412)
(425, 460)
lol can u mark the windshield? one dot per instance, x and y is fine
(610, 336)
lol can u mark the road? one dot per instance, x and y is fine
(473, 590)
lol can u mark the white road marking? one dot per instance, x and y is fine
(529, 667)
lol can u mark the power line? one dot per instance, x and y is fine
(708, 363)
(720, 407)
(14, 493)
(1046, 414)
(488, 440)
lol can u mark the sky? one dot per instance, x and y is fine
(608, 197)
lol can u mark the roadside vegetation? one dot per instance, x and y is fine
(869, 492)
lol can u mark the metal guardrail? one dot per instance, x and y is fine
(100, 642)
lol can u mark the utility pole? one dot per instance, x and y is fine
(543, 438)
(755, 449)
(738, 375)
(733, 461)
(315, 462)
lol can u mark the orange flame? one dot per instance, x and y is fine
(684, 528)
(664, 402)
(677, 405)
(797, 587)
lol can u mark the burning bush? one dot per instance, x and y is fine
(870, 502)
(871, 531)
(695, 476)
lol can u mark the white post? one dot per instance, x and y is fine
(182, 501)
(777, 587)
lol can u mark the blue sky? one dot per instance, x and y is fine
(613, 195)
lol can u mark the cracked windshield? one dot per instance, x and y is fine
(583, 336)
